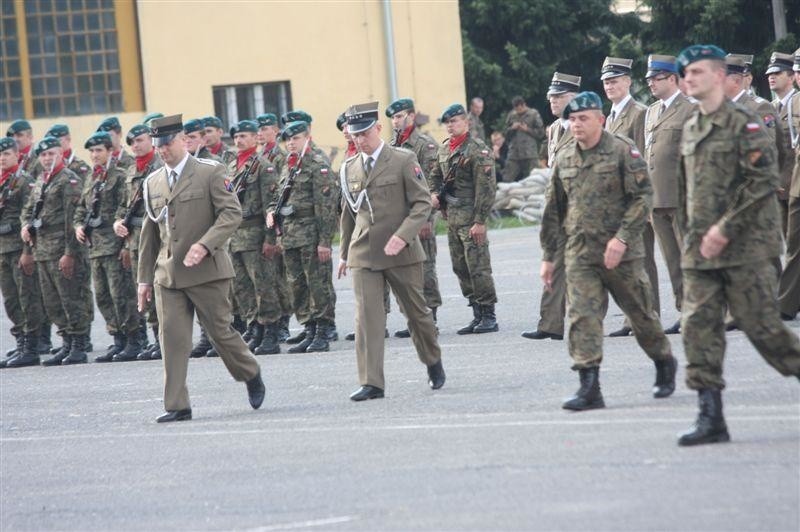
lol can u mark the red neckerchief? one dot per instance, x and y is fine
(292, 160)
(67, 154)
(143, 161)
(8, 173)
(116, 154)
(405, 134)
(215, 149)
(268, 148)
(55, 171)
(98, 170)
(242, 157)
(455, 142)
(23, 152)
(351, 149)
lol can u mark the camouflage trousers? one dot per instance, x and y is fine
(21, 296)
(749, 292)
(430, 290)
(65, 299)
(256, 286)
(472, 265)
(310, 284)
(115, 294)
(282, 286)
(588, 287)
(150, 307)
(517, 169)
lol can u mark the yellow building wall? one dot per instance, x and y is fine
(332, 52)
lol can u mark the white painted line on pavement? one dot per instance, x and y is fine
(305, 524)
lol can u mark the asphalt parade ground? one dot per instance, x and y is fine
(492, 450)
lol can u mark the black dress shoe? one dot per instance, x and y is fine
(731, 326)
(787, 317)
(624, 331)
(366, 392)
(256, 391)
(675, 329)
(403, 333)
(436, 376)
(541, 335)
(175, 415)
(350, 336)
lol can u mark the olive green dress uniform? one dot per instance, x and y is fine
(21, 296)
(789, 287)
(663, 128)
(399, 204)
(198, 209)
(596, 195)
(470, 202)
(523, 145)
(729, 178)
(783, 62)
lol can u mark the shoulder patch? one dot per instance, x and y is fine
(431, 146)
(635, 153)
(769, 121)
(484, 152)
(418, 172)
(323, 171)
(752, 127)
(228, 185)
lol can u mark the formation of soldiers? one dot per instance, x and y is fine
(620, 183)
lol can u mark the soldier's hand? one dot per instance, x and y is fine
(26, 235)
(270, 250)
(120, 230)
(270, 219)
(478, 233)
(26, 263)
(435, 201)
(713, 242)
(426, 231)
(80, 234)
(125, 258)
(546, 273)
(323, 253)
(615, 249)
(195, 255)
(144, 294)
(66, 265)
(394, 246)
(342, 269)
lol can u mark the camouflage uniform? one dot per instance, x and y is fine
(476, 129)
(82, 170)
(469, 201)
(113, 285)
(523, 146)
(205, 153)
(596, 195)
(729, 176)
(124, 159)
(224, 153)
(64, 299)
(277, 158)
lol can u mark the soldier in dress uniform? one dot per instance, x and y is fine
(524, 130)
(664, 121)
(61, 262)
(781, 78)
(627, 118)
(121, 157)
(730, 216)
(553, 305)
(18, 283)
(599, 197)
(214, 132)
(463, 186)
(194, 134)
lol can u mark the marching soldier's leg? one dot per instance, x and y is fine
(407, 284)
(669, 242)
(479, 264)
(370, 326)
(703, 328)
(789, 289)
(176, 342)
(652, 273)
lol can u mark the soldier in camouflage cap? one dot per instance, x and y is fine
(599, 195)
(730, 216)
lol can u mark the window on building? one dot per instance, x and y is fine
(241, 102)
(69, 57)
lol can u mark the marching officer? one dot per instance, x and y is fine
(781, 78)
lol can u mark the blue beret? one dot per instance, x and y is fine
(212, 121)
(453, 110)
(18, 126)
(110, 124)
(698, 52)
(46, 143)
(298, 115)
(245, 126)
(57, 130)
(584, 101)
(8, 143)
(99, 138)
(150, 116)
(267, 119)
(135, 131)
(195, 124)
(403, 104)
(293, 128)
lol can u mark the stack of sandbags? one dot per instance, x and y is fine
(525, 198)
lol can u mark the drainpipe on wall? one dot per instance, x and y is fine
(388, 33)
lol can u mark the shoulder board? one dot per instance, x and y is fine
(209, 162)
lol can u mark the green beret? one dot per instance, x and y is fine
(138, 129)
(212, 121)
(57, 130)
(110, 124)
(150, 116)
(99, 138)
(403, 104)
(195, 124)
(341, 120)
(18, 126)
(698, 52)
(8, 143)
(293, 128)
(453, 110)
(584, 101)
(267, 119)
(297, 115)
(45, 144)
(245, 126)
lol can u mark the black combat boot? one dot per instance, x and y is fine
(299, 337)
(665, 377)
(320, 341)
(476, 319)
(117, 347)
(588, 395)
(238, 324)
(19, 340)
(248, 334)
(202, 346)
(258, 336)
(132, 349)
(155, 352)
(29, 356)
(44, 345)
(309, 331)
(402, 333)
(283, 329)
(62, 352)
(710, 426)
(269, 341)
(77, 354)
(488, 321)
(331, 334)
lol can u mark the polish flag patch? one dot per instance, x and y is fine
(752, 127)
(418, 172)
(324, 171)
(635, 153)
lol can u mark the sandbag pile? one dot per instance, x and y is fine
(525, 198)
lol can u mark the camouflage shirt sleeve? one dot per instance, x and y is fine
(553, 216)
(72, 197)
(325, 207)
(268, 177)
(638, 191)
(485, 184)
(435, 177)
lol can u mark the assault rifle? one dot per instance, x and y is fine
(286, 191)
(136, 202)
(396, 137)
(240, 184)
(92, 220)
(35, 221)
(448, 183)
(6, 192)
